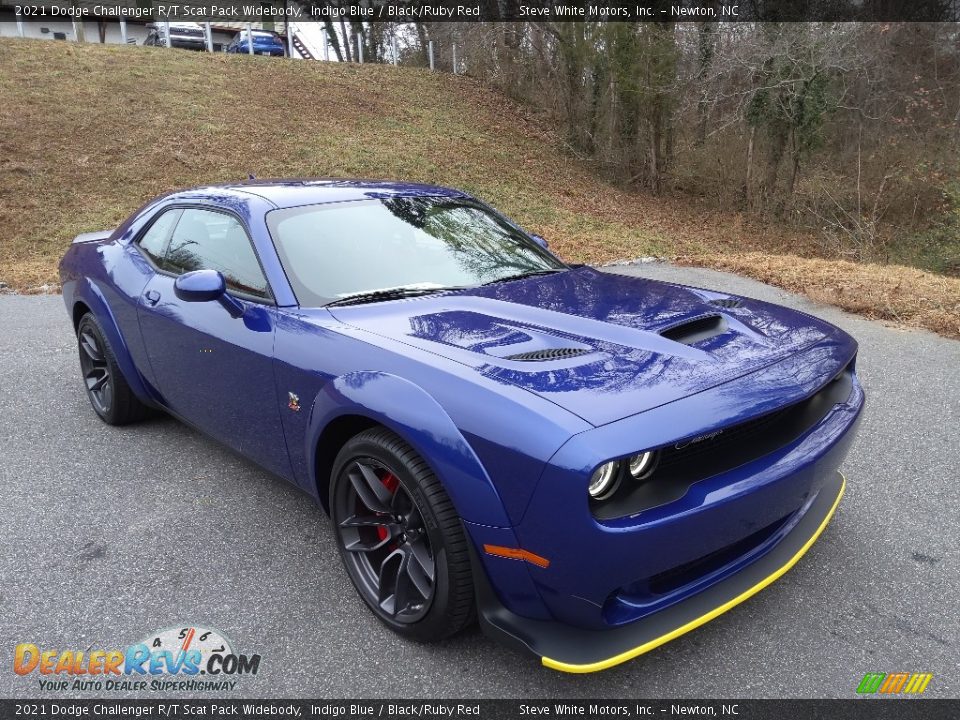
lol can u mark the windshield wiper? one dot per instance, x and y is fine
(522, 275)
(385, 294)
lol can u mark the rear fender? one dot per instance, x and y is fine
(86, 291)
(413, 414)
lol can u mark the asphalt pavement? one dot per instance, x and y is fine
(110, 534)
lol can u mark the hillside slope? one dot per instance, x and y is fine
(88, 133)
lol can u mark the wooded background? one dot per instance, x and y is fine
(850, 130)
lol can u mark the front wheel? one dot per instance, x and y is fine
(400, 537)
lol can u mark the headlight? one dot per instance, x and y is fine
(642, 465)
(604, 480)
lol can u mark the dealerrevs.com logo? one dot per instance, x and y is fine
(188, 658)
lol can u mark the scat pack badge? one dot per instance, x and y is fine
(188, 658)
(294, 403)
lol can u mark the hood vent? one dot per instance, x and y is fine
(697, 330)
(728, 303)
(547, 354)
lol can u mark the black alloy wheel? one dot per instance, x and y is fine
(387, 544)
(107, 389)
(96, 372)
(400, 539)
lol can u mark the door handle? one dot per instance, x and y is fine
(151, 297)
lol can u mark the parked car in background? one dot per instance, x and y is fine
(265, 42)
(186, 35)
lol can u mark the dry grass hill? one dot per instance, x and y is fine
(88, 133)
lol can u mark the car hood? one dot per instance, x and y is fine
(601, 345)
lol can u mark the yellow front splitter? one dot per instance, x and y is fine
(715, 612)
(578, 650)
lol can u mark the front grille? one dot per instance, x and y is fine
(692, 451)
(547, 354)
(693, 459)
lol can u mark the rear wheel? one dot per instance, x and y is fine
(400, 538)
(107, 389)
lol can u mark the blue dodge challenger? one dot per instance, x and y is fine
(590, 464)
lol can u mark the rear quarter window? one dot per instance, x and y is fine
(154, 241)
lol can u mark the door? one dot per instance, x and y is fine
(211, 368)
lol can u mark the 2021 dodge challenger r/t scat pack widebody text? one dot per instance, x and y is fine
(591, 464)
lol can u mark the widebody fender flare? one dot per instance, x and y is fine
(418, 418)
(86, 291)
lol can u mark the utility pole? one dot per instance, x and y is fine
(286, 20)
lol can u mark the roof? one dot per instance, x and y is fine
(295, 192)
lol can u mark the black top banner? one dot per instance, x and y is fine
(491, 10)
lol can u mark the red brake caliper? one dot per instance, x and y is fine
(390, 482)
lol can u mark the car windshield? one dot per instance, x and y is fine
(335, 251)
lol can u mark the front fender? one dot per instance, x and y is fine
(412, 413)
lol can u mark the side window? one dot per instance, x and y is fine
(155, 239)
(207, 240)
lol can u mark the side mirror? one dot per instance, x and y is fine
(539, 241)
(200, 286)
(204, 286)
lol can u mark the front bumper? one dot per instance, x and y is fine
(615, 588)
(579, 650)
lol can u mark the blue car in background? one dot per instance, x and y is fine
(591, 464)
(265, 42)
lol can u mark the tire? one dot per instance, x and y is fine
(110, 396)
(393, 524)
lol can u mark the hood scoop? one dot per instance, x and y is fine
(496, 338)
(601, 345)
(695, 331)
(560, 353)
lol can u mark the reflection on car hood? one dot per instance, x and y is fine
(601, 345)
